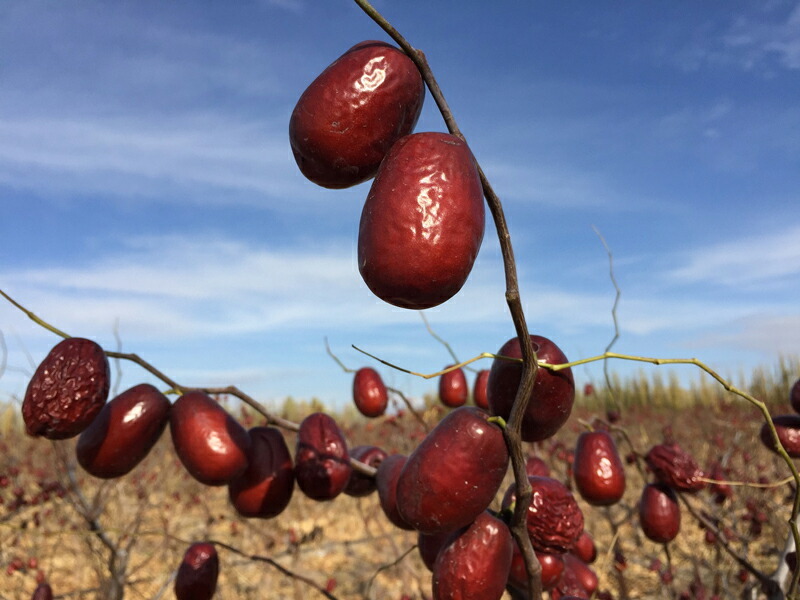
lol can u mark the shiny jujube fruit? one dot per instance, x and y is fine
(597, 469)
(67, 390)
(124, 431)
(479, 389)
(794, 396)
(43, 591)
(585, 548)
(552, 569)
(455, 472)
(553, 392)
(322, 461)
(475, 563)
(345, 122)
(266, 486)
(422, 223)
(453, 389)
(675, 467)
(659, 513)
(788, 429)
(198, 573)
(360, 485)
(210, 443)
(536, 466)
(369, 393)
(386, 481)
(555, 520)
(583, 572)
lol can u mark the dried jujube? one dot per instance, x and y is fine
(322, 461)
(67, 390)
(675, 467)
(197, 573)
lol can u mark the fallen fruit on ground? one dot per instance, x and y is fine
(67, 390)
(124, 431)
(597, 469)
(210, 443)
(453, 389)
(369, 393)
(422, 223)
(553, 392)
(454, 474)
(197, 573)
(322, 461)
(659, 513)
(350, 116)
(265, 488)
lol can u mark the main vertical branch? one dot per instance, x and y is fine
(514, 424)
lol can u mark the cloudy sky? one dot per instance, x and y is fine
(148, 192)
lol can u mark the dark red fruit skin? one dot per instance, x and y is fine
(675, 467)
(788, 429)
(584, 573)
(536, 466)
(124, 432)
(585, 548)
(350, 116)
(429, 545)
(454, 474)
(552, 569)
(198, 573)
(386, 481)
(475, 564)
(265, 488)
(479, 396)
(553, 391)
(369, 393)
(569, 588)
(597, 469)
(659, 513)
(794, 396)
(43, 591)
(322, 461)
(555, 520)
(67, 390)
(210, 443)
(360, 485)
(422, 223)
(453, 389)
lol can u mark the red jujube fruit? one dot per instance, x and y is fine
(348, 118)
(210, 443)
(479, 389)
(675, 467)
(453, 389)
(360, 485)
(369, 393)
(475, 563)
(430, 544)
(198, 573)
(598, 471)
(422, 223)
(659, 513)
(67, 390)
(553, 391)
(266, 486)
(454, 474)
(585, 548)
(788, 429)
(43, 591)
(552, 569)
(322, 461)
(124, 431)
(583, 572)
(386, 481)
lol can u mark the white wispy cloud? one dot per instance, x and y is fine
(758, 42)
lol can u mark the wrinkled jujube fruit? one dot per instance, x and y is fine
(266, 486)
(422, 223)
(198, 573)
(597, 469)
(455, 472)
(659, 513)
(479, 396)
(675, 467)
(124, 431)
(788, 429)
(429, 545)
(794, 396)
(360, 485)
(453, 389)
(475, 563)
(555, 520)
(67, 390)
(552, 569)
(322, 461)
(369, 393)
(553, 391)
(210, 443)
(386, 481)
(350, 116)
(43, 591)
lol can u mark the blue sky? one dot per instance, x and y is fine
(147, 185)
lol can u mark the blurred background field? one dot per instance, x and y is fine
(49, 506)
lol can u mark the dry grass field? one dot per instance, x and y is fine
(54, 518)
